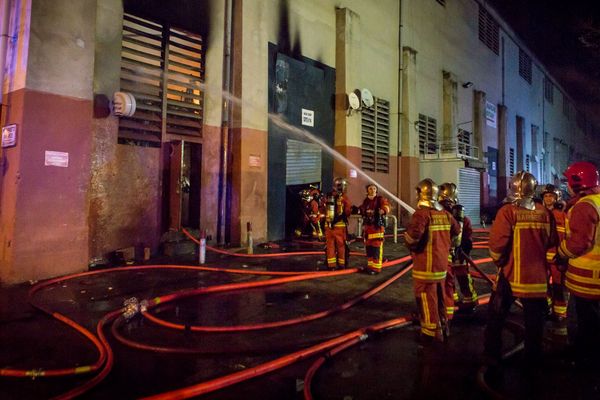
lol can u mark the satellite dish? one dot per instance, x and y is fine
(353, 101)
(367, 98)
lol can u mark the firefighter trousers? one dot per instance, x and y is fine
(534, 311)
(430, 297)
(336, 249)
(588, 328)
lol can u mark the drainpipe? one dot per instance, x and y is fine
(4, 14)
(400, 88)
(226, 118)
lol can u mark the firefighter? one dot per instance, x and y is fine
(552, 200)
(582, 249)
(429, 236)
(458, 267)
(336, 225)
(373, 210)
(519, 238)
(311, 214)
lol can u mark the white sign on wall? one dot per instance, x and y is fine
(9, 135)
(490, 114)
(56, 159)
(308, 117)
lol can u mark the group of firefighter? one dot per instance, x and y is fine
(330, 214)
(544, 249)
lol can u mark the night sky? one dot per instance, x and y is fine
(565, 36)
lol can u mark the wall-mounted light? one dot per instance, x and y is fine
(467, 85)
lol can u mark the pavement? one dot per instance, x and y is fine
(150, 359)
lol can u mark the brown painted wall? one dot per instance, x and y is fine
(46, 205)
(249, 189)
(125, 193)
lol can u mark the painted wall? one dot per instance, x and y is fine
(44, 206)
(445, 38)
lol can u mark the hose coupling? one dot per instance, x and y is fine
(130, 308)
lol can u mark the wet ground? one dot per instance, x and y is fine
(150, 359)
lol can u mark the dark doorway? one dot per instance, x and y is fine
(295, 87)
(184, 161)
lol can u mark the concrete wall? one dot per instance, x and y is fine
(46, 233)
(445, 39)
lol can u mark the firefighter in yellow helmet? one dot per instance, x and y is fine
(521, 234)
(311, 214)
(429, 236)
(373, 211)
(338, 209)
(558, 295)
(458, 267)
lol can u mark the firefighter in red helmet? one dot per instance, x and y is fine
(582, 248)
(458, 268)
(552, 200)
(429, 236)
(373, 211)
(521, 234)
(338, 209)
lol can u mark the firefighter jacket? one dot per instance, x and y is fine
(560, 217)
(369, 210)
(341, 212)
(582, 247)
(518, 242)
(428, 236)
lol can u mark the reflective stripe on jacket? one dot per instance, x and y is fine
(428, 236)
(519, 239)
(583, 273)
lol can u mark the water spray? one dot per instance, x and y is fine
(279, 121)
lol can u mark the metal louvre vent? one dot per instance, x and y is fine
(525, 66)
(489, 30)
(427, 135)
(469, 183)
(154, 57)
(303, 162)
(375, 142)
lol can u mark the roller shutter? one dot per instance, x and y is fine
(469, 184)
(303, 162)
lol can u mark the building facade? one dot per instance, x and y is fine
(241, 104)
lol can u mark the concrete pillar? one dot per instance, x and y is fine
(479, 100)
(44, 209)
(502, 151)
(449, 111)
(409, 160)
(347, 79)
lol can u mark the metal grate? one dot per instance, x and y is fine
(489, 30)
(525, 66)
(428, 141)
(511, 161)
(375, 141)
(163, 68)
(548, 90)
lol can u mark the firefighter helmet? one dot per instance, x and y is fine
(427, 193)
(340, 184)
(582, 175)
(521, 190)
(448, 192)
(551, 189)
(305, 195)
